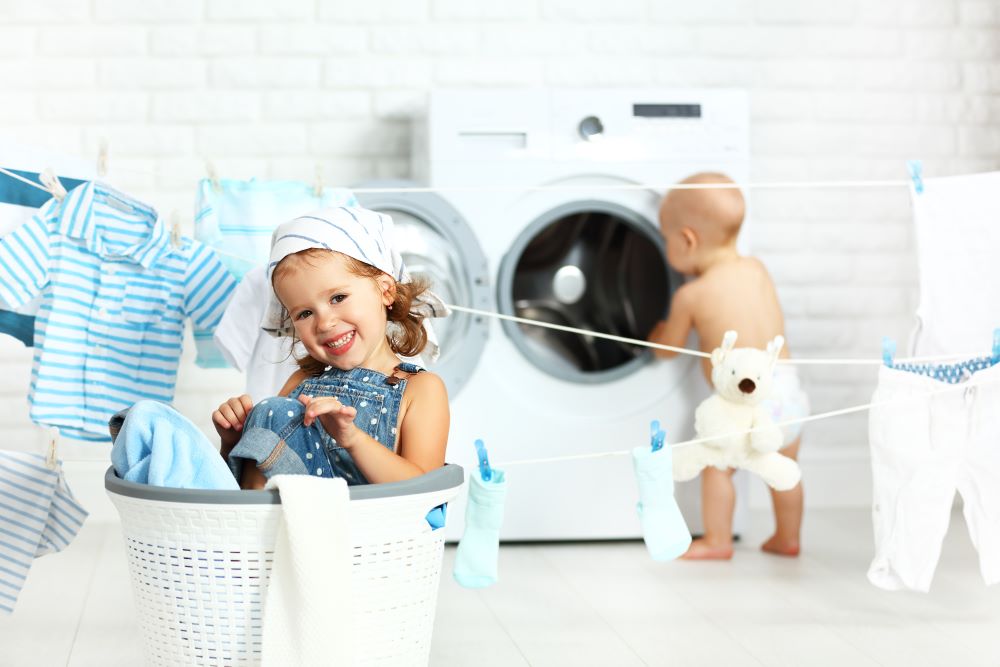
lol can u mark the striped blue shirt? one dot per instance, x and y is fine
(38, 515)
(115, 292)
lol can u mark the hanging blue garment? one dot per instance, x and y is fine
(479, 548)
(115, 293)
(17, 200)
(21, 327)
(663, 527)
(38, 516)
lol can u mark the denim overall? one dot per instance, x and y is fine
(275, 438)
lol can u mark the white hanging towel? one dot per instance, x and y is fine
(308, 619)
(38, 515)
(958, 236)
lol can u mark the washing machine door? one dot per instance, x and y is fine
(438, 245)
(593, 265)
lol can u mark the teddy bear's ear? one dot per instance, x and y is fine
(774, 348)
(719, 353)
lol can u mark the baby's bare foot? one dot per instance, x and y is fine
(781, 547)
(702, 550)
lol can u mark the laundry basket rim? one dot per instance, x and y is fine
(447, 477)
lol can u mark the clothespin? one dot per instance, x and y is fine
(318, 188)
(484, 461)
(175, 229)
(916, 169)
(102, 158)
(995, 355)
(656, 435)
(888, 350)
(213, 176)
(52, 184)
(52, 456)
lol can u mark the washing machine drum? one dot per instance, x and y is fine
(593, 266)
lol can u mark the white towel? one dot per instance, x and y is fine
(308, 619)
(958, 242)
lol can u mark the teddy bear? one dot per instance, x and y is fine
(742, 378)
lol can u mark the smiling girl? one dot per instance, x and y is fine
(354, 409)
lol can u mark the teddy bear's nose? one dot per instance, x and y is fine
(747, 386)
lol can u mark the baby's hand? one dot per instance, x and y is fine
(337, 418)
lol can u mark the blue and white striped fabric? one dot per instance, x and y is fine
(236, 218)
(38, 515)
(18, 202)
(115, 293)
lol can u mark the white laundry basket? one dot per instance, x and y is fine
(200, 563)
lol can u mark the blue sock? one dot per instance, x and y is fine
(476, 558)
(663, 528)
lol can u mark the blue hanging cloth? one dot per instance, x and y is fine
(479, 548)
(663, 528)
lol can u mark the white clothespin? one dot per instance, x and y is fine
(102, 158)
(318, 189)
(52, 455)
(52, 184)
(213, 176)
(175, 229)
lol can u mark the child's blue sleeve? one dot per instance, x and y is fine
(663, 528)
(479, 548)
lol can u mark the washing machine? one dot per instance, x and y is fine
(552, 188)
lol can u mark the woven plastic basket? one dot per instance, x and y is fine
(200, 563)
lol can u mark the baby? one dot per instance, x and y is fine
(728, 291)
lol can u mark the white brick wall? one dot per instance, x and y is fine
(840, 90)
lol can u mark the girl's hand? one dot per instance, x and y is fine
(337, 419)
(229, 418)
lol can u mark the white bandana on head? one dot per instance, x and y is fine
(360, 233)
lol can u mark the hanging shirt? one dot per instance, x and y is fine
(236, 218)
(18, 202)
(115, 292)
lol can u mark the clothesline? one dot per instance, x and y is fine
(774, 185)
(786, 422)
(695, 353)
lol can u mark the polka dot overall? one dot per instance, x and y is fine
(275, 438)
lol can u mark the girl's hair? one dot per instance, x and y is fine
(409, 336)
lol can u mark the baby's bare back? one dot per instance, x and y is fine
(740, 296)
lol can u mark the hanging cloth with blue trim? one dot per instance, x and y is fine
(479, 548)
(663, 527)
(38, 516)
(18, 202)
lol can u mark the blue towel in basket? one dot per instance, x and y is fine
(158, 445)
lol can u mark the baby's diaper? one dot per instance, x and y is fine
(787, 401)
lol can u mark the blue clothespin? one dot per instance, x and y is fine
(484, 462)
(916, 169)
(888, 350)
(656, 435)
(995, 356)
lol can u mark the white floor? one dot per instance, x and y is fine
(597, 604)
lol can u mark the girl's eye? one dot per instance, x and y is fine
(303, 314)
(337, 298)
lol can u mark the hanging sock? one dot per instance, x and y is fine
(479, 548)
(663, 528)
